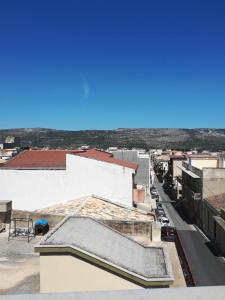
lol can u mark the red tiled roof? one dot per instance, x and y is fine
(38, 159)
(107, 157)
(202, 156)
(56, 159)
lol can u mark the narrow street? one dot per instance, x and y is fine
(206, 268)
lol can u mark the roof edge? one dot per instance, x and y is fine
(112, 163)
(100, 262)
(139, 279)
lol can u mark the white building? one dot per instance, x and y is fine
(140, 157)
(39, 178)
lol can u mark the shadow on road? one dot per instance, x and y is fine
(181, 210)
(205, 267)
(212, 248)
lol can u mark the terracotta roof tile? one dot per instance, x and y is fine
(98, 208)
(56, 159)
(107, 157)
(37, 159)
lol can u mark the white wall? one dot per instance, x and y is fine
(90, 176)
(34, 189)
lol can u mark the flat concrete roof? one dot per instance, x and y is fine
(193, 293)
(105, 244)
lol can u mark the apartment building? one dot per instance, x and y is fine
(201, 178)
(142, 177)
(213, 220)
(140, 157)
(174, 174)
(39, 178)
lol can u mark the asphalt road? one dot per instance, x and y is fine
(207, 269)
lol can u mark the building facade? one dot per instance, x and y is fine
(36, 179)
(201, 179)
(213, 221)
(115, 262)
(140, 157)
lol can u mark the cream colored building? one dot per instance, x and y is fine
(201, 178)
(201, 161)
(213, 220)
(175, 173)
(83, 254)
(67, 273)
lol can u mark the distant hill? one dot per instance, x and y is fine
(202, 139)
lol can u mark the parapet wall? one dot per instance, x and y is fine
(214, 182)
(135, 228)
(53, 220)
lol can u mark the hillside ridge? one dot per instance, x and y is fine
(176, 138)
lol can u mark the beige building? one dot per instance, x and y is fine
(83, 254)
(175, 173)
(201, 178)
(175, 162)
(213, 220)
(201, 161)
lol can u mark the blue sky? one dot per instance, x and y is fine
(103, 64)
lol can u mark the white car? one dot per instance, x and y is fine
(154, 192)
(164, 221)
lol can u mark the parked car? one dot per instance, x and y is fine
(167, 188)
(160, 178)
(164, 221)
(168, 233)
(160, 213)
(154, 192)
(155, 197)
(160, 209)
(159, 205)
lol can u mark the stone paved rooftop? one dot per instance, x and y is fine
(92, 206)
